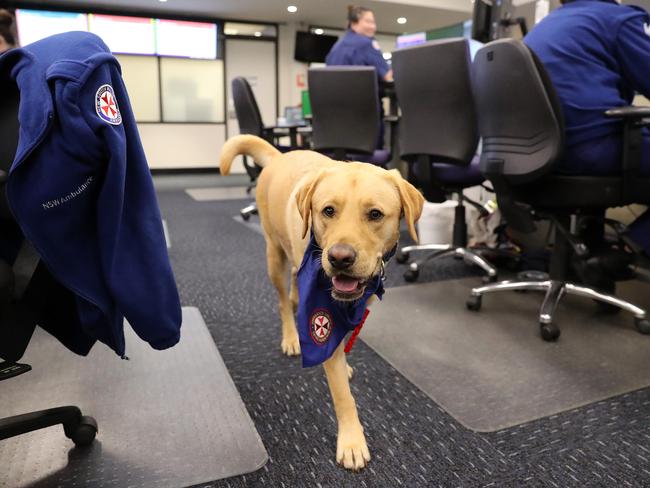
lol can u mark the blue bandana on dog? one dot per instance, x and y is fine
(322, 321)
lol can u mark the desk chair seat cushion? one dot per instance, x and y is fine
(576, 192)
(601, 156)
(454, 175)
(379, 157)
(81, 190)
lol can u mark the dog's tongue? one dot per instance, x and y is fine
(344, 283)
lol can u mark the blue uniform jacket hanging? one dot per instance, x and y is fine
(322, 321)
(81, 191)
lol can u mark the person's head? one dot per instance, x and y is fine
(7, 31)
(362, 21)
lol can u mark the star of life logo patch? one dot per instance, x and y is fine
(320, 326)
(106, 105)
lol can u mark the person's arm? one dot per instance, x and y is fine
(375, 58)
(633, 47)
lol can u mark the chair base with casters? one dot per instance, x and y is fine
(443, 250)
(555, 290)
(79, 428)
(247, 211)
(558, 285)
(458, 248)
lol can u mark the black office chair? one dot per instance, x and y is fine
(250, 121)
(20, 297)
(346, 116)
(438, 137)
(521, 123)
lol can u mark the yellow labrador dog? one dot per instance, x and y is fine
(354, 211)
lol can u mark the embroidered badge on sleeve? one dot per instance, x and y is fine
(106, 105)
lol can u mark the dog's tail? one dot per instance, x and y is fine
(257, 148)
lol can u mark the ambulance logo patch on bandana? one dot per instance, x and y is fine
(321, 326)
(106, 105)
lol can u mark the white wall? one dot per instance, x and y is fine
(290, 72)
(182, 145)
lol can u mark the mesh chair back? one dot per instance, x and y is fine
(345, 108)
(438, 118)
(248, 113)
(519, 114)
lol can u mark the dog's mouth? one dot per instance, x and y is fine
(347, 288)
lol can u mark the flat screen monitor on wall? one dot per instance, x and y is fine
(411, 39)
(312, 48)
(125, 35)
(186, 39)
(34, 25)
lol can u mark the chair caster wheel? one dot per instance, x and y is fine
(473, 303)
(489, 279)
(402, 257)
(411, 275)
(550, 332)
(642, 325)
(84, 434)
(245, 216)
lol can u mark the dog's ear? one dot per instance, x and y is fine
(412, 201)
(303, 198)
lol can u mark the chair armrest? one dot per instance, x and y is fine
(634, 120)
(630, 112)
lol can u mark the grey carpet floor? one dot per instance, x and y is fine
(175, 412)
(219, 266)
(490, 369)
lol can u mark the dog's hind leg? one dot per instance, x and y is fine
(277, 269)
(351, 448)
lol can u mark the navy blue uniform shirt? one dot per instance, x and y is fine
(597, 54)
(81, 191)
(357, 50)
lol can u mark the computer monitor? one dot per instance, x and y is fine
(312, 48)
(481, 20)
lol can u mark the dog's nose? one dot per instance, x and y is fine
(341, 256)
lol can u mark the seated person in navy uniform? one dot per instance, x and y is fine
(358, 47)
(597, 54)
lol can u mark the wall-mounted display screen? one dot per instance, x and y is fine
(125, 35)
(186, 39)
(34, 25)
(411, 39)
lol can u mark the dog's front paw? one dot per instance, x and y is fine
(350, 371)
(291, 346)
(351, 448)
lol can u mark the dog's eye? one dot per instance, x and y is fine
(328, 211)
(375, 214)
